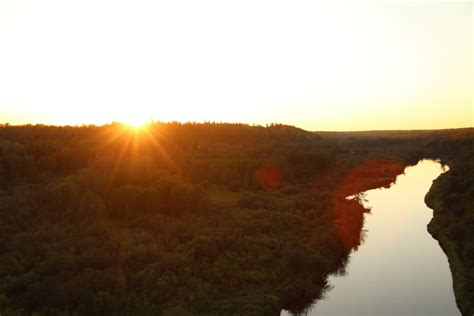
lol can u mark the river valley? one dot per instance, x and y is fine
(399, 269)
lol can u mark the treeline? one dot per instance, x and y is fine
(218, 153)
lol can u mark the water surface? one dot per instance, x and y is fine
(399, 269)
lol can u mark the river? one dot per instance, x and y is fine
(399, 270)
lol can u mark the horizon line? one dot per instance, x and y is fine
(266, 125)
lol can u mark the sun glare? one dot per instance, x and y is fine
(134, 120)
(135, 124)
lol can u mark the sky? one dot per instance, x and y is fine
(319, 65)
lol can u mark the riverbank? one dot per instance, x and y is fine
(450, 227)
(347, 221)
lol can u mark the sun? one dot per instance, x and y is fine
(136, 124)
(135, 121)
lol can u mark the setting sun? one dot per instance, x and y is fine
(135, 122)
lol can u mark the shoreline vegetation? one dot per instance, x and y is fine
(452, 199)
(205, 219)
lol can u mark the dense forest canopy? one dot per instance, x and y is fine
(177, 219)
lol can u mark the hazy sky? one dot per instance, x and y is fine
(314, 64)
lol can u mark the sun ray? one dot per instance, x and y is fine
(160, 148)
(120, 156)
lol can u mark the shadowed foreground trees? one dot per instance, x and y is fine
(178, 219)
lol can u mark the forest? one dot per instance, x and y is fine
(206, 218)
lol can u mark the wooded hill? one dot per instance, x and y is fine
(210, 219)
